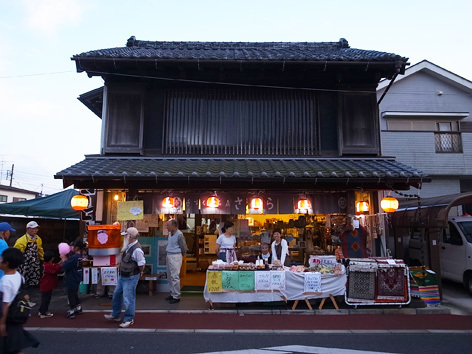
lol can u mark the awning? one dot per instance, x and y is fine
(428, 212)
(98, 171)
(54, 206)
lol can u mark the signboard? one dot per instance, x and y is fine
(230, 280)
(94, 275)
(133, 210)
(262, 281)
(214, 282)
(246, 281)
(312, 282)
(109, 276)
(277, 280)
(86, 274)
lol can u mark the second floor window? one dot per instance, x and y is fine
(447, 137)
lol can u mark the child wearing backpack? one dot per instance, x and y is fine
(15, 338)
(48, 283)
(73, 271)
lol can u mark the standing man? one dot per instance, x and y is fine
(131, 268)
(32, 247)
(5, 231)
(176, 249)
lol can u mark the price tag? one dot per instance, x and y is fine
(246, 281)
(277, 280)
(230, 280)
(214, 284)
(312, 282)
(262, 280)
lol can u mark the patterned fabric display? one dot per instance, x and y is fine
(362, 285)
(354, 243)
(391, 283)
(31, 268)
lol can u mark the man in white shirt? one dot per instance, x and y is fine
(131, 268)
(176, 249)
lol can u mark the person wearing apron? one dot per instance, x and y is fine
(280, 249)
(32, 247)
(225, 244)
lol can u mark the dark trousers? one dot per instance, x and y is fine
(45, 301)
(72, 295)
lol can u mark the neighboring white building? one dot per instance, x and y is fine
(425, 122)
(11, 194)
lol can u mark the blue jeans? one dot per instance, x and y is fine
(125, 292)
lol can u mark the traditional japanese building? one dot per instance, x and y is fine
(264, 134)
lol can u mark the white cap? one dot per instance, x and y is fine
(32, 225)
(132, 231)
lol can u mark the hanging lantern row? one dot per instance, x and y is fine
(79, 202)
(389, 204)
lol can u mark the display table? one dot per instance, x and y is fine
(294, 289)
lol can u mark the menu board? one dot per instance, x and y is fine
(246, 281)
(214, 282)
(230, 280)
(312, 282)
(262, 280)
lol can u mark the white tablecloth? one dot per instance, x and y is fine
(294, 290)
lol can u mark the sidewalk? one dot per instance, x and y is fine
(192, 313)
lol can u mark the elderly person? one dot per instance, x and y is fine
(32, 247)
(5, 231)
(176, 249)
(280, 249)
(131, 268)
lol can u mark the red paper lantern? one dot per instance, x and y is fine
(256, 203)
(168, 202)
(389, 204)
(213, 202)
(362, 206)
(79, 202)
(304, 204)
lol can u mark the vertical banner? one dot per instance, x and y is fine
(86, 274)
(94, 275)
(214, 282)
(312, 282)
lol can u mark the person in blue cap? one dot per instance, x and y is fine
(5, 231)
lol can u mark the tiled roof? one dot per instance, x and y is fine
(235, 168)
(241, 51)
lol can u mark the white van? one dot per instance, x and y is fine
(456, 251)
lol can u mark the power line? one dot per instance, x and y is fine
(40, 74)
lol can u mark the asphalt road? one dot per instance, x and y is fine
(337, 342)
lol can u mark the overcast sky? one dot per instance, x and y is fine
(46, 129)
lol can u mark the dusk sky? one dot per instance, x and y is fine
(46, 129)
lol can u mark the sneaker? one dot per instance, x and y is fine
(126, 324)
(174, 301)
(168, 298)
(45, 315)
(111, 318)
(78, 310)
(70, 314)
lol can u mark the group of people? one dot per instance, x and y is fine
(226, 243)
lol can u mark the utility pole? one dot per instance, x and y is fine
(11, 175)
